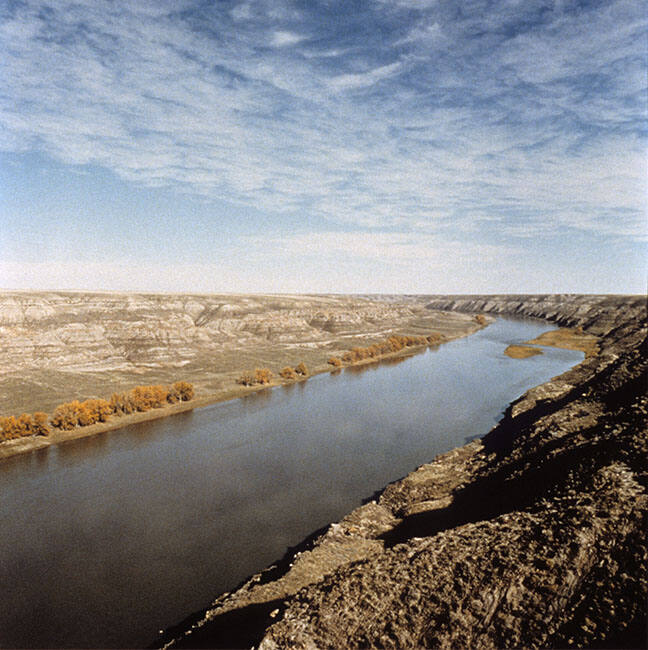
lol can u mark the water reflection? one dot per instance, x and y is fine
(259, 396)
(73, 450)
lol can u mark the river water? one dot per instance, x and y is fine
(106, 540)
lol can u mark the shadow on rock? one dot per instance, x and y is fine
(239, 628)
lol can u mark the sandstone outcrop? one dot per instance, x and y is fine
(533, 536)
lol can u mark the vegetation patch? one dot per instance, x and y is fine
(288, 373)
(569, 339)
(521, 351)
(394, 343)
(261, 376)
(74, 414)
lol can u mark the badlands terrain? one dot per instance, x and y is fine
(56, 347)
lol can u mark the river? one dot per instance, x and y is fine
(106, 540)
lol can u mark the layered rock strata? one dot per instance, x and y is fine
(533, 536)
(57, 346)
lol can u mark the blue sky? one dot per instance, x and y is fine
(430, 146)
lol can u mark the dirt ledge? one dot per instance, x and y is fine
(532, 537)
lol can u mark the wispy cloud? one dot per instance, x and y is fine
(364, 79)
(414, 115)
(282, 38)
(428, 34)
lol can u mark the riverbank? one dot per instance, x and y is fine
(533, 536)
(569, 339)
(27, 444)
(563, 337)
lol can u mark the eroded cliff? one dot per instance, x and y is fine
(57, 346)
(533, 536)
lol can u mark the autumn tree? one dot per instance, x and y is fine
(66, 416)
(86, 416)
(184, 389)
(301, 369)
(25, 425)
(93, 411)
(246, 379)
(9, 426)
(288, 373)
(41, 425)
(71, 414)
(117, 403)
(348, 357)
(145, 398)
(140, 398)
(336, 362)
(262, 376)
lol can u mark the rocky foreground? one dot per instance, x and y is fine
(533, 536)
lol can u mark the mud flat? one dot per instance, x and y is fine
(533, 536)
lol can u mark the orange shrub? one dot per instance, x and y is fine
(374, 351)
(128, 404)
(140, 398)
(173, 395)
(94, 410)
(66, 416)
(262, 376)
(394, 343)
(9, 426)
(86, 416)
(301, 369)
(481, 319)
(145, 398)
(25, 425)
(246, 379)
(41, 426)
(117, 403)
(288, 373)
(184, 389)
(71, 414)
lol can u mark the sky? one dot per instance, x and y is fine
(383, 146)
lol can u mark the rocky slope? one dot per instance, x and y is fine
(533, 536)
(597, 314)
(107, 331)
